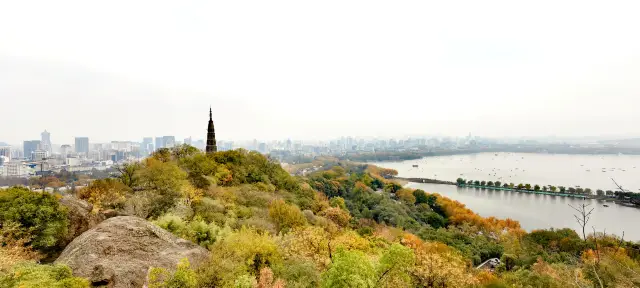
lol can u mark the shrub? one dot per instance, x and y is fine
(298, 273)
(338, 202)
(337, 215)
(202, 233)
(34, 275)
(171, 223)
(244, 252)
(184, 276)
(14, 251)
(40, 217)
(104, 194)
(285, 216)
(209, 209)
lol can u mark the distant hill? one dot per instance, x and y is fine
(630, 142)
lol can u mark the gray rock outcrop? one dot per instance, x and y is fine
(81, 217)
(119, 252)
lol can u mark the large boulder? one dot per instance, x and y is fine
(119, 252)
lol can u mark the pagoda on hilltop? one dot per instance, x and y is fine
(211, 135)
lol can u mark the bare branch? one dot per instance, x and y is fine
(597, 276)
(583, 217)
(620, 243)
(619, 187)
(595, 238)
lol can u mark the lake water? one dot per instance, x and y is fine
(544, 169)
(534, 211)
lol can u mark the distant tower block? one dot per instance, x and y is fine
(211, 135)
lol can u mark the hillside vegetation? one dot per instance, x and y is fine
(345, 225)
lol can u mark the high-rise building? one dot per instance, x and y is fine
(82, 145)
(29, 147)
(187, 141)
(46, 141)
(146, 147)
(169, 141)
(39, 155)
(65, 150)
(211, 135)
(6, 152)
(159, 142)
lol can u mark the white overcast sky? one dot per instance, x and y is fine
(121, 70)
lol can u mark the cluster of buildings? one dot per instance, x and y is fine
(40, 157)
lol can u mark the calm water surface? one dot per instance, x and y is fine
(543, 169)
(534, 211)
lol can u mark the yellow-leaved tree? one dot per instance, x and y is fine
(438, 265)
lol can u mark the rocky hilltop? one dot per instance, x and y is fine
(119, 252)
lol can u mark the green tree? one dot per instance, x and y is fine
(588, 191)
(128, 174)
(421, 196)
(406, 196)
(460, 181)
(527, 186)
(580, 191)
(476, 182)
(349, 269)
(498, 183)
(395, 266)
(545, 188)
(483, 183)
(599, 192)
(536, 187)
(511, 185)
(38, 214)
(490, 183)
(469, 182)
(392, 187)
(183, 151)
(562, 189)
(162, 155)
(553, 188)
(520, 186)
(164, 180)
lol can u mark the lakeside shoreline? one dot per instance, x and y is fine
(405, 180)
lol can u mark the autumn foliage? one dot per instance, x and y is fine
(346, 225)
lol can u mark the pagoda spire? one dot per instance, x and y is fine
(211, 135)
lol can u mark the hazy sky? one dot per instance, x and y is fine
(121, 70)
